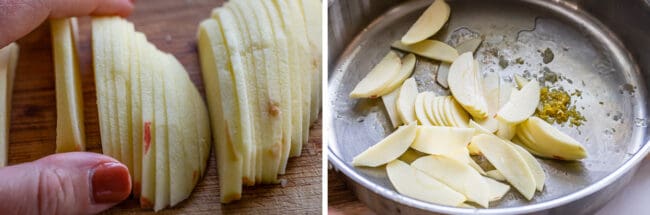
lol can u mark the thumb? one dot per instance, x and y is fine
(68, 183)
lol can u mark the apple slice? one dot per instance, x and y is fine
(411, 182)
(535, 168)
(495, 174)
(161, 141)
(138, 55)
(111, 97)
(457, 113)
(442, 105)
(497, 189)
(101, 67)
(148, 184)
(506, 130)
(431, 49)
(8, 62)
(408, 64)
(443, 74)
(508, 161)
(420, 112)
(388, 149)
(521, 105)
(441, 140)
(428, 108)
(406, 101)
(223, 104)
(550, 142)
(283, 70)
(121, 76)
(231, 33)
(479, 128)
(491, 92)
(70, 124)
(311, 12)
(505, 91)
(430, 22)
(379, 77)
(457, 175)
(390, 103)
(465, 88)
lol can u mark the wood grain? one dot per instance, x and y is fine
(171, 25)
(340, 199)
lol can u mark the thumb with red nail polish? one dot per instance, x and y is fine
(67, 183)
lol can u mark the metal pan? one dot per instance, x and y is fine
(588, 55)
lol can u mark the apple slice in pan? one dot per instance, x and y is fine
(465, 87)
(430, 22)
(443, 74)
(551, 142)
(457, 175)
(8, 61)
(535, 168)
(495, 174)
(428, 108)
(431, 49)
(408, 64)
(441, 140)
(390, 103)
(388, 149)
(379, 77)
(420, 111)
(413, 183)
(491, 92)
(505, 91)
(456, 112)
(508, 161)
(406, 101)
(441, 111)
(497, 189)
(69, 103)
(506, 130)
(522, 104)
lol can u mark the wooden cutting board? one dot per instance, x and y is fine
(171, 25)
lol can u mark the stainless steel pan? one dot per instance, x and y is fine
(604, 57)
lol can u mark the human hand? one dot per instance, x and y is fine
(67, 183)
(19, 17)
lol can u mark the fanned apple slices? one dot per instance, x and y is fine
(70, 135)
(152, 118)
(261, 68)
(8, 63)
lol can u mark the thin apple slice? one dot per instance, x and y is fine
(311, 12)
(457, 175)
(148, 141)
(428, 108)
(465, 88)
(495, 174)
(420, 112)
(222, 101)
(497, 189)
(406, 101)
(101, 67)
(388, 149)
(491, 91)
(508, 161)
(137, 59)
(506, 130)
(457, 113)
(437, 110)
(442, 109)
(70, 124)
(111, 97)
(440, 140)
(161, 141)
(390, 103)
(231, 33)
(521, 105)
(479, 128)
(121, 75)
(379, 77)
(431, 49)
(551, 142)
(433, 112)
(284, 73)
(505, 91)
(470, 45)
(8, 61)
(430, 22)
(413, 183)
(408, 64)
(443, 74)
(535, 168)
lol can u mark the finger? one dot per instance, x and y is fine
(68, 183)
(19, 17)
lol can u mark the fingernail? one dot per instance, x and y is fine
(111, 183)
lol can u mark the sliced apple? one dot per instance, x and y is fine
(428, 108)
(311, 12)
(406, 101)
(521, 105)
(535, 168)
(506, 130)
(457, 175)
(121, 76)
(495, 174)
(497, 189)
(440, 140)
(137, 59)
(465, 88)
(505, 91)
(420, 112)
(408, 64)
(508, 161)
(390, 103)
(442, 109)
(455, 111)
(470, 45)
(551, 142)
(379, 77)
(443, 74)
(101, 67)
(479, 128)
(8, 62)
(430, 22)
(161, 141)
(70, 124)
(148, 184)
(388, 149)
(491, 92)
(411, 182)
(431, 49)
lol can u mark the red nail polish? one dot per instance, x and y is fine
(111, 183)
